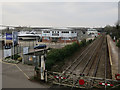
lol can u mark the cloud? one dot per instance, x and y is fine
(60, 14)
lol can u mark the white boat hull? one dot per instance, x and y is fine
(28, 37)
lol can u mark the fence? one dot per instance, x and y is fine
(80, 81)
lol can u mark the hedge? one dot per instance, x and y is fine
(118, 44)
(58, 55)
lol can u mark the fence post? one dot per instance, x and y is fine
(42, 67)
(59, 79)
(45, 75)
(73, 80)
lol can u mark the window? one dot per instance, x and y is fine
(47, 38)
(65, 31)
(46, 31)
(72, 32)
(55, 34)
(65, 38)
(73, 38)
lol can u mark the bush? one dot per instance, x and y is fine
(58, 55)
(89, 41)
(15, 57)
(7, 57)
(118, 44)
(19, 59)
(83, 43)
(53, 56)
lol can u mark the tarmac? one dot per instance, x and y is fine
(113, 54)
(18, 75)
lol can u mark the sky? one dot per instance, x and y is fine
(60, 14)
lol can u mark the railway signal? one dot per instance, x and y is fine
(117, 76)
(81, 82)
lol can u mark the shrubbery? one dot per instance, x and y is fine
(58, 55)
(118, 44)
(90, 41)
(19, 59)
(15, 57)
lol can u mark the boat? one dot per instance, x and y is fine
(26, 35)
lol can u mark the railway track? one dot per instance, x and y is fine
(87, 66)
(92, 61)
(93, 67)
(101, 59)
(81, 57)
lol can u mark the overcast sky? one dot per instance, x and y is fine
(60, 14)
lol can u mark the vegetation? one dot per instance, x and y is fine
(59, 55)
(114, 31)
(7, 57)
(19, 59)
(15, 57)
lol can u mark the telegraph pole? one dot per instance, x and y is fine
(118, 31)
(13, 44)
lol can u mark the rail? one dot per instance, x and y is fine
(79, 59)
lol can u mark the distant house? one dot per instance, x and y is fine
(59, 35)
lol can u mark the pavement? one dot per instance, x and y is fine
(17, 75)
(113, 52)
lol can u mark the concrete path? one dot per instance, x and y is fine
(16, 76)
(113, 52)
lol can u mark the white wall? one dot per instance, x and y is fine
(60, 34)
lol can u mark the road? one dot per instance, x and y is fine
(14, 77)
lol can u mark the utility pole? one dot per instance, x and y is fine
(118, 31)
(13, 43)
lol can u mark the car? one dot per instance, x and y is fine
(7, 47)
(40, 46)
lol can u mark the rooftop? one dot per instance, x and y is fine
(58, 29)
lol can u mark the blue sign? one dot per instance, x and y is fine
(8, 36)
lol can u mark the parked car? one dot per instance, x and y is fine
(40, 46)
(7, 47)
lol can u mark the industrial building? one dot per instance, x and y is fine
(59, 35)
(92, 32)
